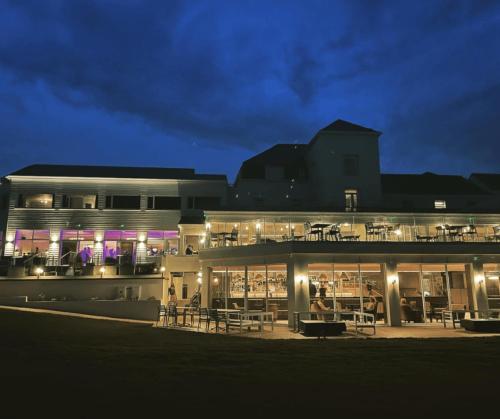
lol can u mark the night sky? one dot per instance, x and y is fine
(209, 84)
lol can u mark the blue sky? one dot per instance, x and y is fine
(209, 84)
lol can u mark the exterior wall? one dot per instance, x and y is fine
(325, 164)
(426, 202)
(80, 289)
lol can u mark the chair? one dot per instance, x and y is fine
(371, 231)
(162, 312)
(172, 313)
(203, 316)
(333, 233)
(410, 315)
(218, 318)
(470, 232)
(232, 238)
(214, 240)
(309, 231)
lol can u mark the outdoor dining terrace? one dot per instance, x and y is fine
(237, 232)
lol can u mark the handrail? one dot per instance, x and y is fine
(31, 258)
(66, 254)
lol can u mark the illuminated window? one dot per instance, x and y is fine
(43, 200)
(351, 199)
(440, 204)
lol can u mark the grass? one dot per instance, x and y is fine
(85, 368)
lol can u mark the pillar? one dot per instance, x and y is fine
(245, 291)
(392, 297)
(54, 248)
(206, 277)
(298, 288)
(478, 287)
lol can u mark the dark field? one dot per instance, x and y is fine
(54, 366)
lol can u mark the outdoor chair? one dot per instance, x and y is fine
(203, 316)
(162, 312)
(172, 314)
(218, 318)
(232, 238)
(333, 233)
(470, 232)
(309, 231)
(371, 232)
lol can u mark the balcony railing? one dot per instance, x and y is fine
(367, 232)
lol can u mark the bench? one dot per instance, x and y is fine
(321, 328)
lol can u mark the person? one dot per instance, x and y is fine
(172, 297)
(322, 289)
(189, 250)
(371, 306)
(319, 306)
(312, 289)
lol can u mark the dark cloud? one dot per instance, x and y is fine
(246, 75)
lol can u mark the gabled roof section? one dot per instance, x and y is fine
(289, 156)
(345, 126)
(428, 184)
(488, 181)
(57, 170)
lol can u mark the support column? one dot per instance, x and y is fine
(205, 286)
(245, 292)
(392, 297)
(478, 287)
(298, 288)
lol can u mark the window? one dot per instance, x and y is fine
(79, 201)
(204, 202)
(123, 201)
(351, 199)
(164, 202)
(440, 204)
(351, 165)
(43, 200)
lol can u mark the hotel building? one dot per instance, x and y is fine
(300, 221)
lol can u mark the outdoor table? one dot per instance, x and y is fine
(260, 316)
(184, 313)
(320, 227)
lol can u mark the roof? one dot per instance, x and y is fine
(490, 181)
(428, 184)
(290, 156)
(192, 219)
(57, 170)
(345, 126)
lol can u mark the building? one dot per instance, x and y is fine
(300, 221)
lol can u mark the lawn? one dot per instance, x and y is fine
(75, 367)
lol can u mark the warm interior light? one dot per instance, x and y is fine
(208, 226)
(39, 271)
(162, 269)
(216, 280)
(398, 232)
(257, 226)
(494, 277)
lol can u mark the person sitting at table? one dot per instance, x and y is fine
(371, 306)
(319, 306)
(190, 250)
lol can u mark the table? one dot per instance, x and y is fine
(248, 317)
(184, 313)
(320, 227)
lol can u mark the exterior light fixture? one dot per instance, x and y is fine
(257, 226)
(54, 238)
(102, 270)
(208, 226)
(199, 278)
(398, 232)
(216, 280)
(38, 272)
(162, 270)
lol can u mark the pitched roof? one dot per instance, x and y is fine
(59, 170)
(428, 184)
(290, 156)
(490, 181)
(345, 126)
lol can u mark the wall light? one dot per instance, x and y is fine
(397, 232)
(257, 226)
(300, 279)
(208, 226)
(216, 280)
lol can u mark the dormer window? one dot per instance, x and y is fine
(351, 200)
(440, 204)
